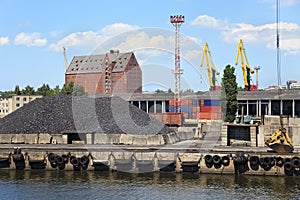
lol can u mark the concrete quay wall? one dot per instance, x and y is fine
(149, 159)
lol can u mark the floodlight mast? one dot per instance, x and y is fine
(177, 21)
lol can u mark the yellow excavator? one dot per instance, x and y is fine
(280, 141)
(211, 69)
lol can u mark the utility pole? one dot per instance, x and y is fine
(177, 20)
(256, 68)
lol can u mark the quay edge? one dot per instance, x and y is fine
(173, 158)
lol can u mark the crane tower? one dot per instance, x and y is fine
(177, 20)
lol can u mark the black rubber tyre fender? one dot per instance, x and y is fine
(225, 161)
(84, 160)
(267, 167)
(279, 161)
(59, 160)
(287, 160)
(72, 159)
(65, 158)
(217, 160)
(288, 166)
(266, 161)
(254, 160)
(84, 167)
(53, 164)
(51, 157)
(296, 163)
(254, 167)
(297, 171)
(208, 159)
(62, 166)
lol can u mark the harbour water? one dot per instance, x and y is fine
(35, 184)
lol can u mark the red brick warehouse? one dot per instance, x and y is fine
(112, 72)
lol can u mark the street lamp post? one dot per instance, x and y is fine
(256, 68)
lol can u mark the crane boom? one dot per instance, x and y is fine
(245, 66)
(211, 69)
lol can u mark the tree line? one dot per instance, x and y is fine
(45, 90)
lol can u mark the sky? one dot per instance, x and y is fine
(33, 34)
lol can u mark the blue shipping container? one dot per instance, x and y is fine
(184, 108)
(172, 109)
(211, 102)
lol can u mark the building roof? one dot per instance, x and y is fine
(269, 95)
(94, 63)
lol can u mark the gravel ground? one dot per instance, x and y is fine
(66, 113)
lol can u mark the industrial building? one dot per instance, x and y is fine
(113, 72)
(252, 103)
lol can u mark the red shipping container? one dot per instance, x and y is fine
(172, 102)
(195, 109)
(211, 109)
(208, 115)
(184, 102)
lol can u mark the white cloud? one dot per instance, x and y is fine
(4, 41)
(209, 22)
(30, 39)
(90, 39)
(264, 34)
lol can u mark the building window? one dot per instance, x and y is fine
(17, 105)
(24, 99)
(18, 98)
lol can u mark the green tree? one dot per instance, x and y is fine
(159, 91)
(54, 91)
(73, 89)
(17, 90)
(170, 91)
(78, 90)
(43, 90)
(28, 90)
(67, 89)
(229, 94)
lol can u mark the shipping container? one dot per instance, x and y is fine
(172, 102)
(211, 102)
(184, 109)
(195, 109)
(185, 102)
(208, 115)
(195, 102)
(202, 102)
(212, 109)
(173, 108)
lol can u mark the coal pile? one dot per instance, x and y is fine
(66, 113)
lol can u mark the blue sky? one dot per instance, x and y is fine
(33, 33)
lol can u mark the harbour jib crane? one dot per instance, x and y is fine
(241, 53)
(211, 69)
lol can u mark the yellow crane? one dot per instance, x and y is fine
(245, 66)
(211, 69)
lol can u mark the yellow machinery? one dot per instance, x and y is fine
(280, 141)
(245, 66)
(211, 69)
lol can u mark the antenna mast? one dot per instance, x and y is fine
(177, 20)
